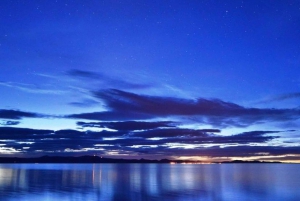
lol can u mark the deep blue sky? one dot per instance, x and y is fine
(211, 80)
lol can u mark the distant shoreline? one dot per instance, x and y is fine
(97, 159)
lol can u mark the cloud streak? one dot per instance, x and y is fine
(32, 88)
(17, 114)
(85, 103)
(281, 97)
(123, 105)
(128, 125)
(97, 77)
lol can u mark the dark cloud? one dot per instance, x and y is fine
(193, 137)
(123, 105)
(9, 123)
(16, 114)
(114, 116)
(61, 140)
(50, 140)
(128, 125)
(13, 133)
(256, 133)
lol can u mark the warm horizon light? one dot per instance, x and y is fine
(204, 80)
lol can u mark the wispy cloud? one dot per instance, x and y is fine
(32, 88)
(106, 80)
(281, 97)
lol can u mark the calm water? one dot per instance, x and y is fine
(149, 182)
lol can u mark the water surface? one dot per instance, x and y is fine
(114, 182)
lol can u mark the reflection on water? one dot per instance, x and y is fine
(114, 182)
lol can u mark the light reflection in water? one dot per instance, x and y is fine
(113, 182)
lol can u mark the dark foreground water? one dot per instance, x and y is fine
(149, 182)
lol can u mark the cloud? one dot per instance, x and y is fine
(16, 114)
(124, 140)
(175, 132)
(123, 105)
(9, 123)
(225, 152)
(22, 133)
(287, 96)
(32, 88)
(281, 97)
(106, 80)
(47, 140)
(107, 116)
(190, 137)
(84, 74)
(85, 103)
(128, 125)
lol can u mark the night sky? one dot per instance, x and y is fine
(206, 80)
